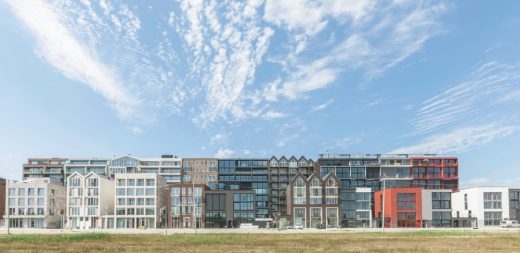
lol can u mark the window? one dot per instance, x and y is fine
(332, 217)
(30, 192)
(441, 219)
(21, 191)
(41, 191)
(514, 199)
(150, 182)
(41, 202)
(150, 192)
(358, 173)
(120, 192)
(21, 202)
(406, 219)
(121, 182)
(441, 200)
(12, 191)
(131, 182)
(406, 201)
(492, 200)
(492, 218)
(140, 182)
(299, 192)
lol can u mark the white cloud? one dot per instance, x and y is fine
(380, 36)
(218, 138)
(490, 86)
(311, 16)
(458, 140)
(322, 106)
(224, 153)
(58, 46)
(274, 115)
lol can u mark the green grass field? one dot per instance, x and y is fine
(424, 241)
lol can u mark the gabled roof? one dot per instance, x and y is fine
(273, 158)
(297, 175)
(302, 158)
(282, 159)
(292, 158)
(329, 175)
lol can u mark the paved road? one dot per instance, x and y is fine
(246, 231)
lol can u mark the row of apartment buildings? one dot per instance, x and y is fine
(347, 190)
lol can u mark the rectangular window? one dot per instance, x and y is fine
(441, 200)
(21, 191)
(406, 201)
(492, 218)
(492, 200)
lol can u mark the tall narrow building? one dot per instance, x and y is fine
(281, 171)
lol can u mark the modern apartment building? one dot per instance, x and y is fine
(356, 207)
(489, 205)
(90, 197)
(36, 203)
(436, 208)
(140, 201)
(84, 166)
(200, 171)
(314, 200)
(413, 207)
(167, 166)
(514, 204)
(247, 174)
(229, 208)
(378, 171)
(281, 171)
(186, 205)
(45, 167)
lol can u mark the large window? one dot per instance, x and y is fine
(332, 217)
(492, 200)
(363, 200)
(406, 201)
(492, 218)
(441, 219)
(299, 192)
(514, 200)
(315, 216)
(316, 193)
(358, 172)
(441, 200)
(299, 216)
(406, 219)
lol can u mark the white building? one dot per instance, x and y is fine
(140, 201)
(35, 203)
(89, 198)
(488, 204)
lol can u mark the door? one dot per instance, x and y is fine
(186, 222)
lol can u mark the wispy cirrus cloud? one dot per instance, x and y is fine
(381, 35)
(490, 86)
(322, 106)
(458, 140)
(59, 47)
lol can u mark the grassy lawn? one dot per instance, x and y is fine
(427, 241)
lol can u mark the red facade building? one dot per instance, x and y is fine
(403, 207)
(435, 172)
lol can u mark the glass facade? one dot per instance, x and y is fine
(238, 174)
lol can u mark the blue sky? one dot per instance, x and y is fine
(253, 79)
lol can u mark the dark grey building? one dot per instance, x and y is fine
(514, 204)
(247, 174)
(229, 208)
